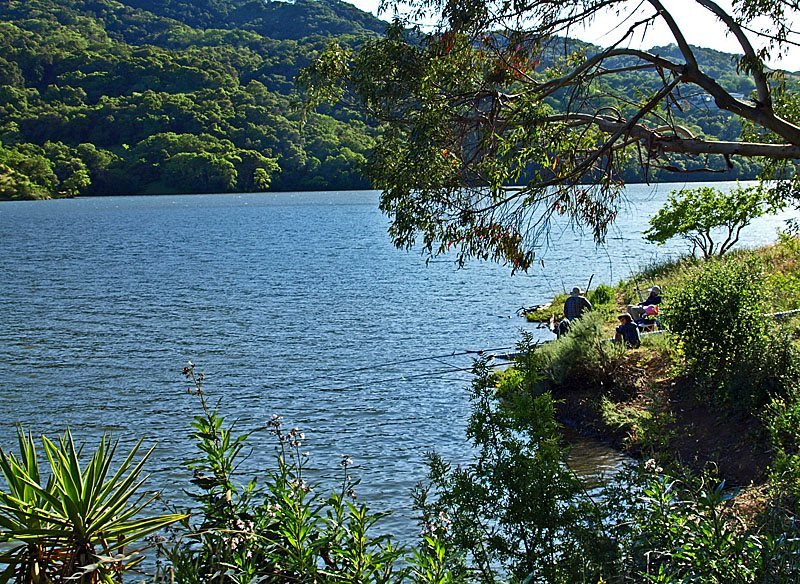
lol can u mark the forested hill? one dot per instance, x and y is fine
(277, 19)
(171, 96)
(104, 97)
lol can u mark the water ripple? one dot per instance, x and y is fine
(285, 300)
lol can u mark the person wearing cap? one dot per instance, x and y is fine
(627, 331)
(638, 312)
(576, 304)
(654, 298)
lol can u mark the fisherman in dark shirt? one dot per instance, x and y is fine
(627, 331)
(576, 304)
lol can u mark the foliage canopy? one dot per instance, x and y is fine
(700, 215)
(496, 95)
(140, 97)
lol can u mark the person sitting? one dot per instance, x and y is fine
(638, 312)
(627, 331)
(654, 298)
(560, 328)
(576, 304)
(648, 322)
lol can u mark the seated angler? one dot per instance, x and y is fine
(654, 298)
(639, 311)
(574, 307)
(576, 304)
(627, 331)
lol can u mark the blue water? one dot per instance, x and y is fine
(291, 303)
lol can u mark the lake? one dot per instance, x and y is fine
(292, 303)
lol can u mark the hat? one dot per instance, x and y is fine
(576, 291)
(656, 289)
(625, 315)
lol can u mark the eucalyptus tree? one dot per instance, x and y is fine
(496, 94)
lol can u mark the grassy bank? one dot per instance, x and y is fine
(718, 388)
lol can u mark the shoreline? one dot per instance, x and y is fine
(654, 185)
(646, 406)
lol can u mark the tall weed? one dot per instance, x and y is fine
(284, 529)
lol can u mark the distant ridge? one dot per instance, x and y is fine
(102, 97)
(293, 20)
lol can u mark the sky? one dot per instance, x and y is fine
(700, 27)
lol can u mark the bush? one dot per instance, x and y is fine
(516, 512)
(690, 530)
(584, 354)
(601, 295)
(782, 419)
(729, 345)
(79, 520)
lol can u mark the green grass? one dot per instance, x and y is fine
(543, 314)
(602, 299)
(782, 272)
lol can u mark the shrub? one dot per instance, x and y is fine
(782, 418)
(785, 290)
(689, 530)
(601, 295)
(729, 345)
(584, 354)
(77, 521)
(516, 512)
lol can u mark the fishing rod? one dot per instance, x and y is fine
(373, 367)
(635, 281)
(638, 290)
(429, 374)
(429, 358)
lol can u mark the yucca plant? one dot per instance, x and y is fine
(79, 524)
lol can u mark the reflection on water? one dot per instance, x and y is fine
(594, 462)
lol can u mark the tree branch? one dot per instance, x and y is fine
(554, 85)
(735, 239)
(756, 65)
(673, 143)
(760, 114)
(684, 47)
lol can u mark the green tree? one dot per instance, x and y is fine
(710, 219)
(73, 175)
(25, 173)
(254, 170)
(201, 172)
(495, 96)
